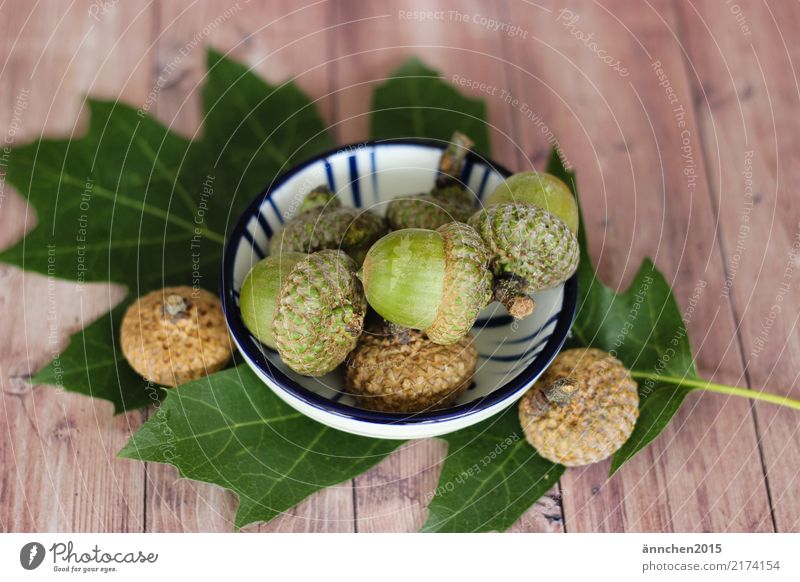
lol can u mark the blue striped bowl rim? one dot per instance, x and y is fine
(242, 335)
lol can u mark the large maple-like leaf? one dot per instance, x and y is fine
(230, 430)
(132, 202)
(490, 477)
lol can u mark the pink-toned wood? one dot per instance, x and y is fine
(280, 40)
(743, 70)
(58, 471)
(58, 465)
(372, 40)
(619, 129)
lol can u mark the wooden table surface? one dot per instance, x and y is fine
(681, 118)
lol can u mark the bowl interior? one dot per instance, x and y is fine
(369, 175)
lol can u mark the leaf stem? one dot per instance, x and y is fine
(701, 384)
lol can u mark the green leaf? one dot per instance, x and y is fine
(642, 327)
(93, 362)
(112, 206)
(417, 102)
(253, 132)
(133, 203)
(490, 477)
(230, 430)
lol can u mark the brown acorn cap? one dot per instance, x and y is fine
(406, 372)
(582, 409)
(175, 335)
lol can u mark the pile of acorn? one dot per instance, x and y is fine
(393, 300)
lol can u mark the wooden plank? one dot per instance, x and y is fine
(744, 72)
(58, 465)
(641, 197)
(280, 40)
(372, 40)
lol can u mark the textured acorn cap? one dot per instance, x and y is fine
(320, 198)
(406, 372)
(175, 335)
(320, 313)
(258, 296)
(467, 283)
(582, 409)
(426, 211)
(333, 228)
(529, 243)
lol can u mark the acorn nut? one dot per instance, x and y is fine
(309, 307)
(582, 409)
(538, 189)
(175, 335)
(324, 224)
(403, 371)
(430, 280)
(258, 296)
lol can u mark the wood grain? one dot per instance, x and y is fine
(722, 465)
(58, 463)
(747, 95)
(622, 134)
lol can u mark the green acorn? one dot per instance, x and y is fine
(529, 225)
(435, 281)
(530, 249)
(539, 189)
(309, 307)
(324, 224)
(448, 201)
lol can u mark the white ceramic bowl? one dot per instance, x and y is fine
(512, 354)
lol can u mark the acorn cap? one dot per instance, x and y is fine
(449, 200)
(334, 228)
(320, 198)
(582, 409)
(320, 313)
(455, 193)
(528, 243)
(426, 211)
(407, 372)
(175, 335)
